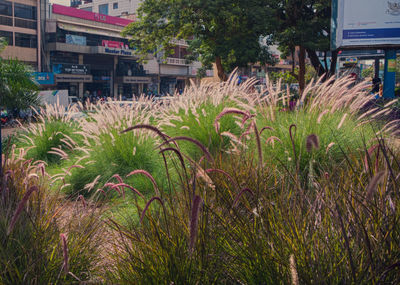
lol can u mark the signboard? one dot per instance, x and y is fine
(361, 23)
(54, 97)
(73, 78)
(114, 44)
(67, 68)
(114, 51)
(75, 40)
(44, 78)
(136, 79)
(82, 14)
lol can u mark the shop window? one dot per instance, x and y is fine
(103, 9)
(115, 5)
(25, 11)
(25, 40)
(8, 36)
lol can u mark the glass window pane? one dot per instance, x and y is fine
(25, 40)
(103, 9)
(5, 8)
(8, 36)
(24, 11)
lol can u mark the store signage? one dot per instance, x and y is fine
(114, 44)
(75, 40)
(86, 15)
(66, 68)
(44, 78)
(365, 23)
(136, 79)
(117, 51)
(351, 60)
(73, 78)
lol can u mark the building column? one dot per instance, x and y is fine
(390, 74)
(39, 38)
(114, 84)
(80, 84)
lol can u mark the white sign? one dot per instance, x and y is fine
(54, 97)
(136, 79)
(364, 23)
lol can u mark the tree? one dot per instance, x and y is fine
(304, 24)
(17, 90)
(227, 32)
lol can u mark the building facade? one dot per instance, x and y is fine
(117, 8)
(20, 25)
(86, 54)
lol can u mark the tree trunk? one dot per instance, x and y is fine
(302, 69)
(221, 73)
(316, 62)
(332, 70)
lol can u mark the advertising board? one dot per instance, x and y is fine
(75, 40)
(44, 78)
(365, 23)
(67, 68)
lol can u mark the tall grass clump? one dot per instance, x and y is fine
(243, 219)
(329, 110)
(42, 240)
(110, 156)
(194, 114)
(54, 136)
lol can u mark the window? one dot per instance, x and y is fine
(89, 9)
(25, 40)
(103, 9)
(5, 8)
(8, 36)
(115, 5)
(24, 11)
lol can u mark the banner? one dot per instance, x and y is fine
(75, 40)
(66, 68)
(44, 78)
(365, 23)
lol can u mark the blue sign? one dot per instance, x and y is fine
(75, 40)
(44, 78)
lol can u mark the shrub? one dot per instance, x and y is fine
(34, 225)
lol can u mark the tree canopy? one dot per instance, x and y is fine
(227, 32)
(304, 24)
(17, 90)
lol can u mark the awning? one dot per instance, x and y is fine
(88, 30)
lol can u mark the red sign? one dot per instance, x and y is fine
(114, 44)
(82, 14)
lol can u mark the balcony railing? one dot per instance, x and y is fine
(179, 42)
(176, 61)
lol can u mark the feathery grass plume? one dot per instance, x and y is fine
(148, 205)
(116, 186)
(227, 111)
(236, 201)
(20, 207)
(266, 128)
(293, 271)
(194, 221)
(321, 115)
(211, 170)
(368, 154)
(195, 142)
(312, 141)
(330, 145)
(148, 175)
(342, 121)
(149, 127)
(258, 140)
(373, 184)
(65, 252)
